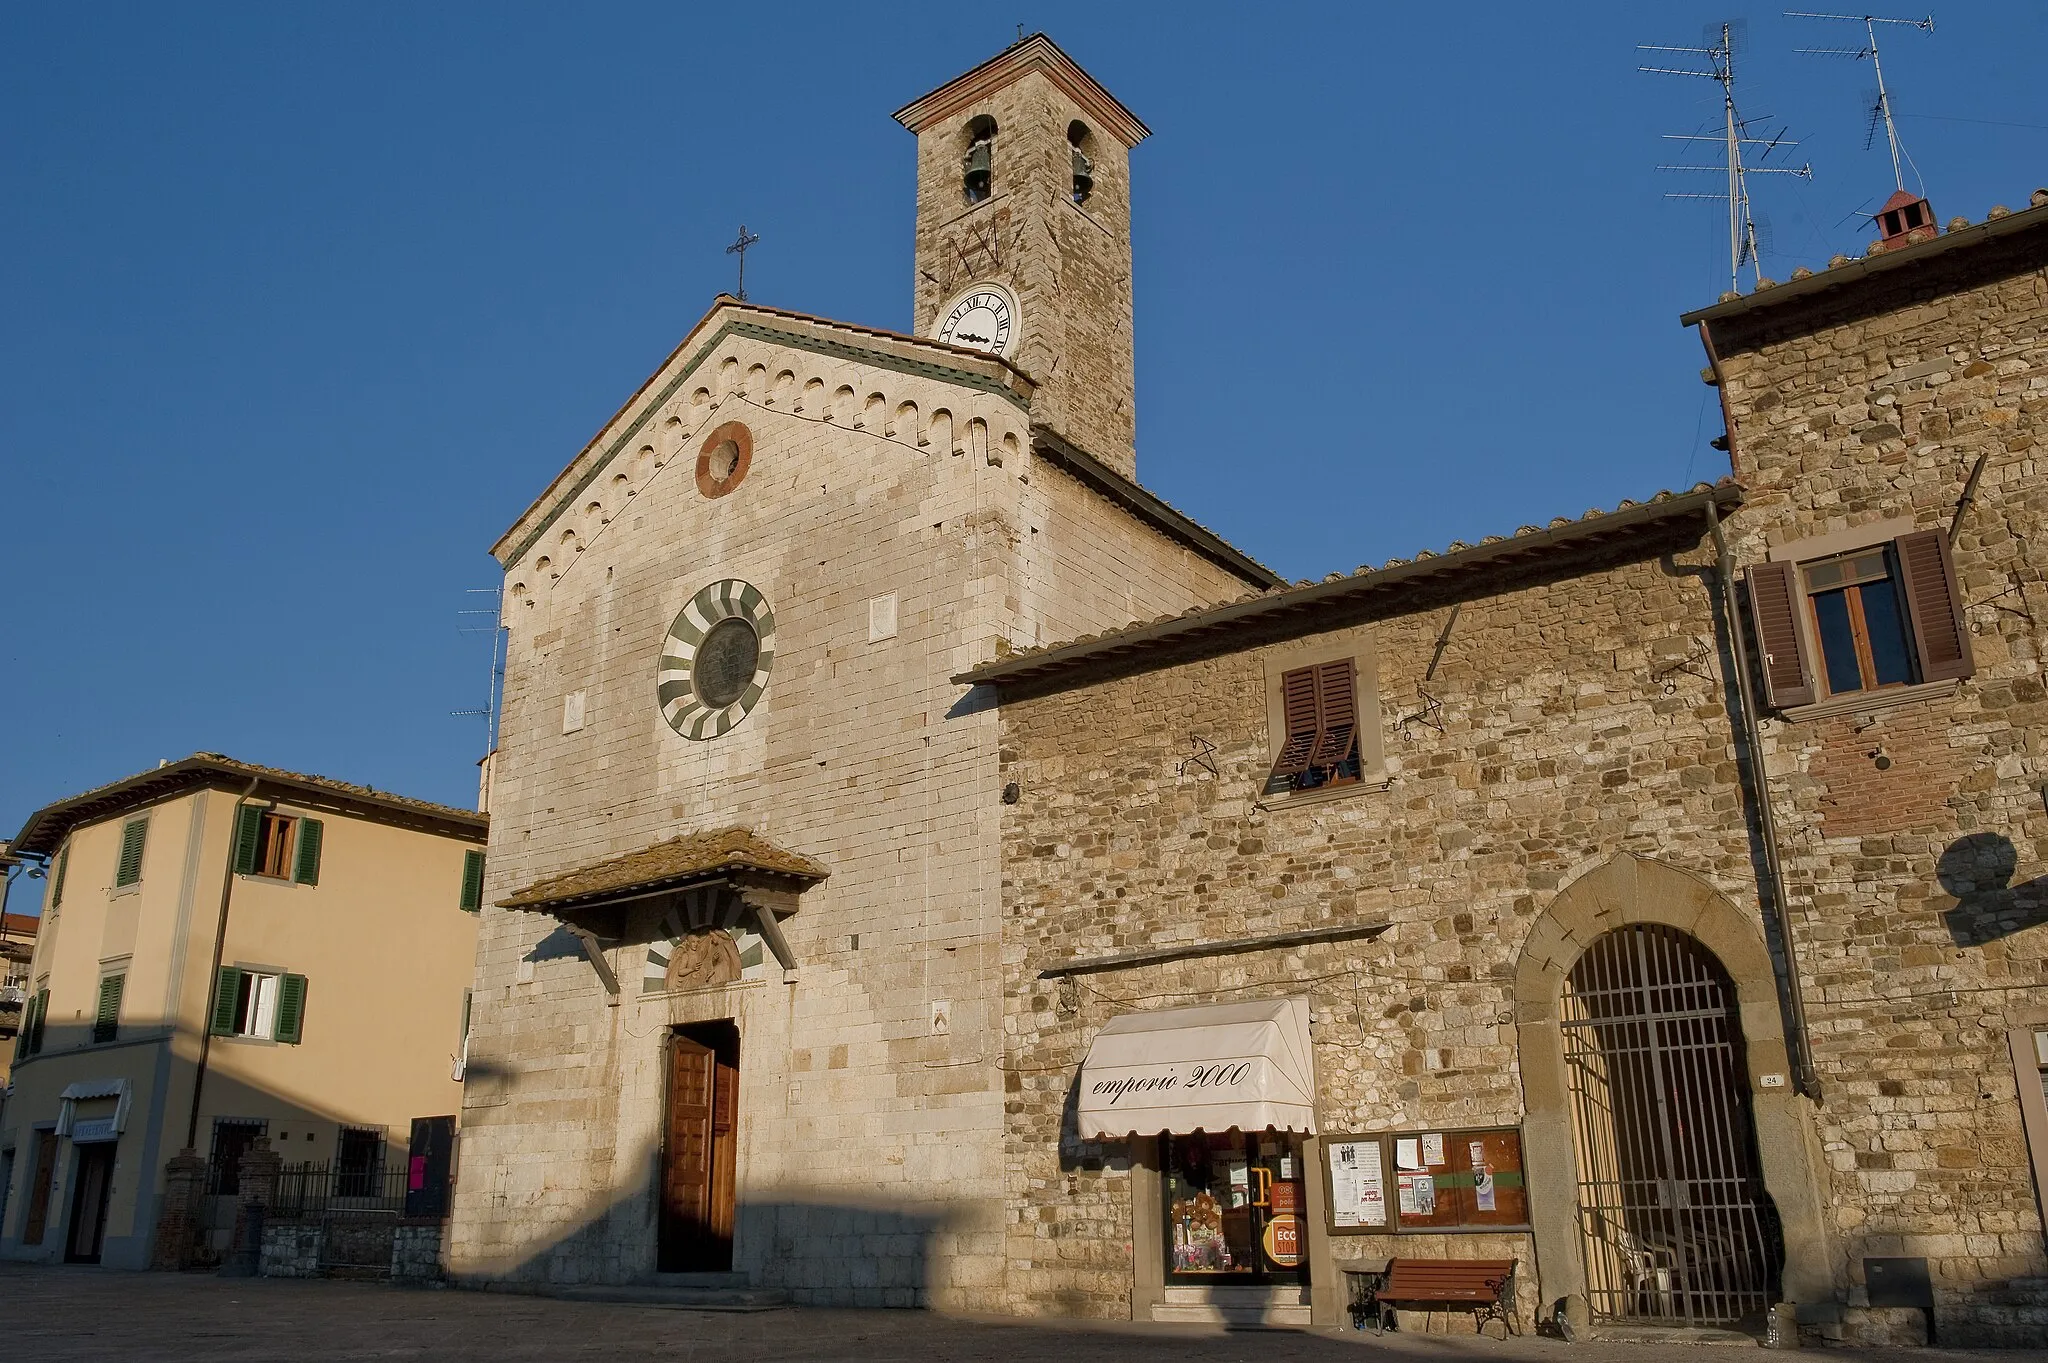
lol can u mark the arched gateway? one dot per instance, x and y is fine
(1672, 1166)
(1674, 1223)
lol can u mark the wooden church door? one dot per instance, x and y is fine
(699, 1157)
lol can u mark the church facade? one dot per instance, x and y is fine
(1649, 905)
(738, 999)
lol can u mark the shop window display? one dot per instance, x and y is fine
(1234, 1207)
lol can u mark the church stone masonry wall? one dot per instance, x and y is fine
(1921, 891)
(1069, 264)
(869, 1160)
(1560, 748)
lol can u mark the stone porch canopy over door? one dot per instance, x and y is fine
(695, 875)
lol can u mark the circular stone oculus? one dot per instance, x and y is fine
(716, 659)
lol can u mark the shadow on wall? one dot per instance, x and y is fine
(1977, 870)
(104, 1198)
(821, 1253)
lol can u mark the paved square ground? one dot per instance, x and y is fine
(55, 1315)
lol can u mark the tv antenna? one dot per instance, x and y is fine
(1881, 107)
(489, 713)
(1717, 56)
(739, 248)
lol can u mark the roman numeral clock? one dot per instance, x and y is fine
(983, 318)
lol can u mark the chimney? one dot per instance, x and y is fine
(1904, 219)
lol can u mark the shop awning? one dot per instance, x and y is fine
(1206, 1068)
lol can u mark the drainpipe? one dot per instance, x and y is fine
(220, 941)
(1775, 900)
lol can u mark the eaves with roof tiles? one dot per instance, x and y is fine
(47, 828)
(1310, 607)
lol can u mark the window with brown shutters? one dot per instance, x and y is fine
(1320, 743)
(1883, 616)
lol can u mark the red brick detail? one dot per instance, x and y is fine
(742, 441)
(1897, 774)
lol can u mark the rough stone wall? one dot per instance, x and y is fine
(1560, 745)
(864, 1135)
(416, 1252)
(1070, 264)
(1921, 891)
(290, 1250)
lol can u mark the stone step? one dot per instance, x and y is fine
(1672, 1334)
(737, 1297)
(1238, 1308)
(1234, 1317)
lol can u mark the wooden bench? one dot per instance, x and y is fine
(1486, 1285)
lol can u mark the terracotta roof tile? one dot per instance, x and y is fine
(48, 826)
(1292, 596)
(680, 861)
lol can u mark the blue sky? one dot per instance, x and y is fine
(304, 304)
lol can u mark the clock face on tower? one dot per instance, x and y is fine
(983, 318)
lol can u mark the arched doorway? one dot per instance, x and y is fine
(1673, 1217)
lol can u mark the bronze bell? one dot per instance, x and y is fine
(975, 180)
(1084, 177)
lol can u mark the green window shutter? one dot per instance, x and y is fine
(106, 1023)
(42, 1013)
(227, 990)
(291, 1007)
(306, 865)
(248, 831)
(472, 881)
(28, 1029)
(129, 871)
(57, 882)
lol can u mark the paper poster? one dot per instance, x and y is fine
(1408, 1153)
(1418, 1195)
(1433, 1149)
(1287, 1168)
(1482, 1177)
(1358, 1186)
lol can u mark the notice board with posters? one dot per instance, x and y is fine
(1444, 1181)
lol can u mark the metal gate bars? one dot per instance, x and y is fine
(1671, 1204)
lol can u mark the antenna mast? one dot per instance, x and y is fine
(1882, 111)
(1719, 59)
(489, 713)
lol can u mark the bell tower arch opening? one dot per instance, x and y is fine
(1023, 194)
(977, 163)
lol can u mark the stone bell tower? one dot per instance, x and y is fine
(1024, 235)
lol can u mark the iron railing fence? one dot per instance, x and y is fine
(319, 1189)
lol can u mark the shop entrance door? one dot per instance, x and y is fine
(1235, 1209)
(89, 1204)
(699, 1164)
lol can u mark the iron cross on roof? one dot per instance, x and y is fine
(739, 248)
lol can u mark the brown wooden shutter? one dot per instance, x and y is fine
(1774, 602)
(1337, 687)
(1298, 693)
(1939, 632)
